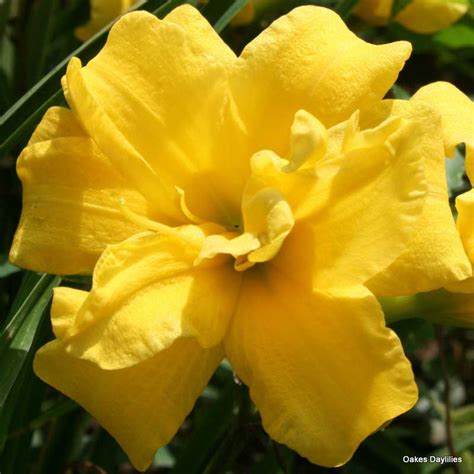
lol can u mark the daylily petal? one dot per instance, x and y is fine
(339, 239)
(65, 306)
(457, 115)
(309, 60)
(147, 293)
(323, 370)
(71, 193)
(141, 406)
(430, 16)
(163, 132)
(435, 255)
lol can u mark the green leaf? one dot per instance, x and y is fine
(38, 36)
(17, 338)
(5, 7)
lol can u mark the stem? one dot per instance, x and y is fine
(447, 398)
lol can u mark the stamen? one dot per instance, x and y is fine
(143, 221)
(185, 209)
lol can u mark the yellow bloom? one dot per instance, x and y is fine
(101, 14)
(230, 206)
(420, 16)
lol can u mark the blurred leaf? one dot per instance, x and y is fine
(414, 333)
(6, 268)
(164, 458)
(398, 6)
(457, 36)
(63, 442)
(5, 7)
(61, 408)
(220, 13)
(38, 36)
(386, 448)
(463, 415)
(399, 92)
(345, 7)
(209, 426)
(455, 174)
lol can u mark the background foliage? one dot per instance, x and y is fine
(43, 432)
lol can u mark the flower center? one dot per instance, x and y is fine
(267, 217)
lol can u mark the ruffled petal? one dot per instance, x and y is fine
(141, 406)
(435, 255)
(322, 369)
(146, 293)
(457, 115)
(430, 16)
(355, 209)
(309, 60)
(71, 195)
(160, 112)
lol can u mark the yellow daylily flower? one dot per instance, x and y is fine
(101, 14)
(420, 16)
(230, 206)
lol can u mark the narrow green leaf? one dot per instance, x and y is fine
(5, 7)
(19, 334)
(38, 36)
(27, 298)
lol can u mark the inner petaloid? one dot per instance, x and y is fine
(276, 185)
